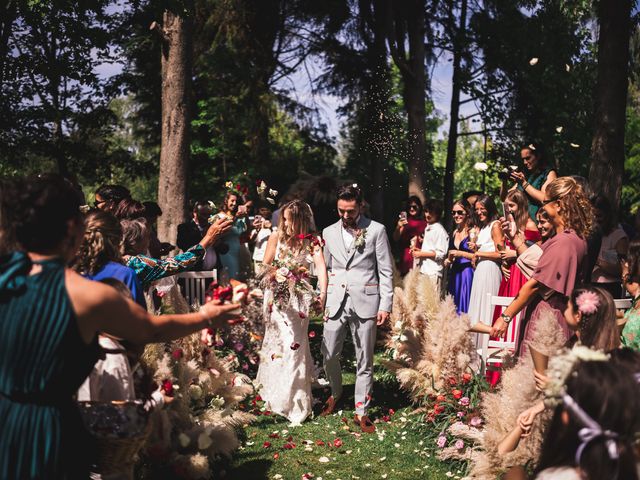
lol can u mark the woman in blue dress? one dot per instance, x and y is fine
(460, 255)
(48, 334)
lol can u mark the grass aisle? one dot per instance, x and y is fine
(333, 448)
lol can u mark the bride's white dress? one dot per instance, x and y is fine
(285, 372)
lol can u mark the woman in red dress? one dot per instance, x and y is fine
(513, 279)
(411, 223)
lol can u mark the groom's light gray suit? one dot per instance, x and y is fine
(360, 285)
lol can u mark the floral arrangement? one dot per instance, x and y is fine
(360, 239)
(289, 281)
(199, 427)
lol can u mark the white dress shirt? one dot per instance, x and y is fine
(435, 240)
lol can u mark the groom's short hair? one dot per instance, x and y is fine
(350, 191)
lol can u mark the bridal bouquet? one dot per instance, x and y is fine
(289, 281)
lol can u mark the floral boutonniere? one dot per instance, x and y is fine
(361, 238)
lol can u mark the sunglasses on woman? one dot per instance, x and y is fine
(458, 212)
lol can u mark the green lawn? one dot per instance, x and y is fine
(395, 451)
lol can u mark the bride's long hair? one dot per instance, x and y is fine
(300, 222)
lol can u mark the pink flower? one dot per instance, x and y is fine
(238, 347)
(464, 401)
(475, 422)
(460, 414)
(442, 441)
(459, 444)
(588, 302)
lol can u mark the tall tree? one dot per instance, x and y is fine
(406, 26)
(176, 118)
(607, 147)
(458, 33)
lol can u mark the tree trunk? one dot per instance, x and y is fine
(607, 147)
(376, 108)
(415, 85)
(452, 142)
(176, 118)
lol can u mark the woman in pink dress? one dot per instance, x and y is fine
(561, 262)
(411, 223)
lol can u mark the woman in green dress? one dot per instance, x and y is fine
(534, 182)
(48, 333)
(631, 281)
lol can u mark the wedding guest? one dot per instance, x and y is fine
(193, 231)
(631, 281)
(528, 256)
(42, 434)
(231, 267)
(107, 197)
(411, 224)
(593, 429)
(615, 243)
(460, 256)
(540, 175)
(519, 225)
(157, 248)
(136, 237)
(561, 261)
(435, 244)
(260, 234)
(472, 196)
(128, 209)
(487, 276)
(100, 254)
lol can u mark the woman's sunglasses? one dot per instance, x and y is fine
(413, 207)
(458, 212)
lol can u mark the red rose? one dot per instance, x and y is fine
(457, 394)
(386, 418)
(437, 408)
(258, 398)
(167, 388)
(453, 381)
(177, 354)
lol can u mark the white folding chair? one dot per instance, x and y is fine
(492, 352)
(195, 285)
(622, 303)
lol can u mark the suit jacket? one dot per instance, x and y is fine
(364, 273)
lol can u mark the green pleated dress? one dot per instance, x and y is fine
(43, 361)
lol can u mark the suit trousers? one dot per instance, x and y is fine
(363, 333)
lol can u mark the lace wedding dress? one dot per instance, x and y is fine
(285, 374)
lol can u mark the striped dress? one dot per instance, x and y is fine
(43, 361)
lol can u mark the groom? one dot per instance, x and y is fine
(359, 295)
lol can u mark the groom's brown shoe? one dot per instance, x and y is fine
(365, 423)
(329, 406)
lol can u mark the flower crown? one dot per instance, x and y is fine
(560, 366)
(588, 302)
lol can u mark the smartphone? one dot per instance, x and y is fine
(403, 215)
(505, 212)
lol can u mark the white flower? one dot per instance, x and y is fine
(184, 440)
(261, 188)
(195, 391)
(204, 441)
(480, 166)
(217, 402)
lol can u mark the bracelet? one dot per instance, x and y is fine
(525, 185)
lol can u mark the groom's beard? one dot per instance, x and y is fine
(350, 223)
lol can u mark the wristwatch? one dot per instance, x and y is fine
(507, 318)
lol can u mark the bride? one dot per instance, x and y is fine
(285, 373)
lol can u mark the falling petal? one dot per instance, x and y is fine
(559, 129)
(574, 145)
(567, 67)
(271, 201)
(323, 460)
(295, 346)
(533, 61)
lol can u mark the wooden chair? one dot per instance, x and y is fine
(492, 351)
(194, 285)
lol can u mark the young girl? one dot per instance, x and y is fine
(592, 432)
(631, 281)
(591, 315)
